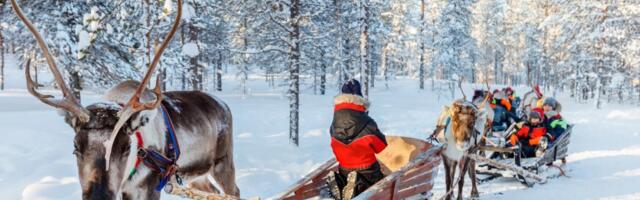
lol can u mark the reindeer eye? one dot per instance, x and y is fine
(76, 150)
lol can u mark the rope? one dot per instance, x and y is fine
(190, 193)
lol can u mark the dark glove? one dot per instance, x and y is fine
(508, 145)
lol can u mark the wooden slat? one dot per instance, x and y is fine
(384, 194)
(428, 166)
(395, 187)
(431, 153)
(303, 192)
(412, 191)
(416, 180)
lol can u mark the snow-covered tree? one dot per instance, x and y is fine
(455, 48)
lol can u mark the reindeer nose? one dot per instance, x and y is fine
(98, 192)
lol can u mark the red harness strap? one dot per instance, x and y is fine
(140, 145)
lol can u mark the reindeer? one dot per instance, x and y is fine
(107, 151)
(459, 126)
(530, 99)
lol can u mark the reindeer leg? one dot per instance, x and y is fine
(224, 169)
(447, 176)
(472, 174)
(463, 171)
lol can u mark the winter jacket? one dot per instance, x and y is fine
(515, 102)
(555, 124)
(355, 137)
(502, 102)
(530, 134)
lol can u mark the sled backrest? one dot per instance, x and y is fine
(399, 151)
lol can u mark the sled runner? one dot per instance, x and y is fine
(527, 170)
(410, 166)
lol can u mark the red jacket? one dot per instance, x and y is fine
(359, 154)
(355, 137)
(532, 133)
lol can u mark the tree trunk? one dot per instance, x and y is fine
(372, 68)
(364, 38)
(183, 78)
(75, 83)
(148, 34)
(294, 72)
(385, 68)
(244, 65)
(219, 72)
(421, 39)
(196, 67)
(338, 62)
(1, 50)
(164, 79)
(323, 73)
(1, 59)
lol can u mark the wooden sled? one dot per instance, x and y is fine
(410, 166)
(528, 170)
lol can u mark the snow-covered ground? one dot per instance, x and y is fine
(36, 145)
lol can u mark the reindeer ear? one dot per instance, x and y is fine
(71, 119)
(456, 108)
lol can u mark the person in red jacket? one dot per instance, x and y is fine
(355, 139)
(531, 135)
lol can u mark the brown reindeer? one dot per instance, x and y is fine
(106, 148)
(460, 136)
(459, 128)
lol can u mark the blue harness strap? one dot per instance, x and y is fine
(446, 125)
(165, 164)
(172, 151)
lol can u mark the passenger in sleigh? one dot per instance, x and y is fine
(503, 111)
(355, 140)
(532, 136)
(513, 98)
(554, 122)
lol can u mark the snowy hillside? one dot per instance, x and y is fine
(36, 160)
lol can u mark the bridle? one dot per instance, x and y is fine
(165, 164)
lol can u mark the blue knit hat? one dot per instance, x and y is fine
(352, 87)
(550, 101)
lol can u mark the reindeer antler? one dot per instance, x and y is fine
(486, 98)
(464, 96)
(134, 105)
(68, 102)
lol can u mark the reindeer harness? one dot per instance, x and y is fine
(156, 161)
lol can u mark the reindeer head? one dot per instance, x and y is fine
(463, 118)
(96, 180)
(97, 126)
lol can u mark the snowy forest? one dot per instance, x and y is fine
(272, 75)
(590, 49)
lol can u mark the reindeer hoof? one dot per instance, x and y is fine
(475, 195)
